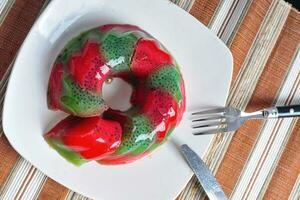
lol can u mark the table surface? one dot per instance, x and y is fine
(261, 160)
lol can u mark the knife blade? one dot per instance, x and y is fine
(204, 175)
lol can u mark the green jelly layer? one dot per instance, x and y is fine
(167, 78)
(79, 101)
(136, 137)
(118, 49)
(77, 43)
(69, 155)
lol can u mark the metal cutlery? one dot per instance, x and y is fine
(204, 175)
(227, 119)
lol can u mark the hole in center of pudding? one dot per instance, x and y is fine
(116, 94)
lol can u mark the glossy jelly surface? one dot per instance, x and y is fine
(95, 131)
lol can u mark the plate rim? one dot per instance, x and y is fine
(44, 12)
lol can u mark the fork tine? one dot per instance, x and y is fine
(213, 131)
(209, 125)
(206, 119)
(209, 112)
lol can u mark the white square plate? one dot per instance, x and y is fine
(206, 65)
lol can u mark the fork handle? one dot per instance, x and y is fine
(288, 111)
(281, 111)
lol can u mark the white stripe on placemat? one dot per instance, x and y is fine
(35, 186)
(270, 144)
(75, 196)
(236, 16)
(247, 78)
(252, 68)
(226, 19)
(219, 19)
(184, 4)
(23, 183)
(15, 179)
(295, 194)
(5, 6)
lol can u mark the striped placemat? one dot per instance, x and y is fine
(261, 160)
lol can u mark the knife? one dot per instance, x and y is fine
(204, 175)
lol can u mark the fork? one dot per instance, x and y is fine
(228, 119)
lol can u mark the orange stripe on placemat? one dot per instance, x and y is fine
(287, 170)
(262, 159)
(264, 95)
(8, 158)
(270, 141)
(15, 28)
(246, 33)
(53, 190)
(204, 10)
(288, 167)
